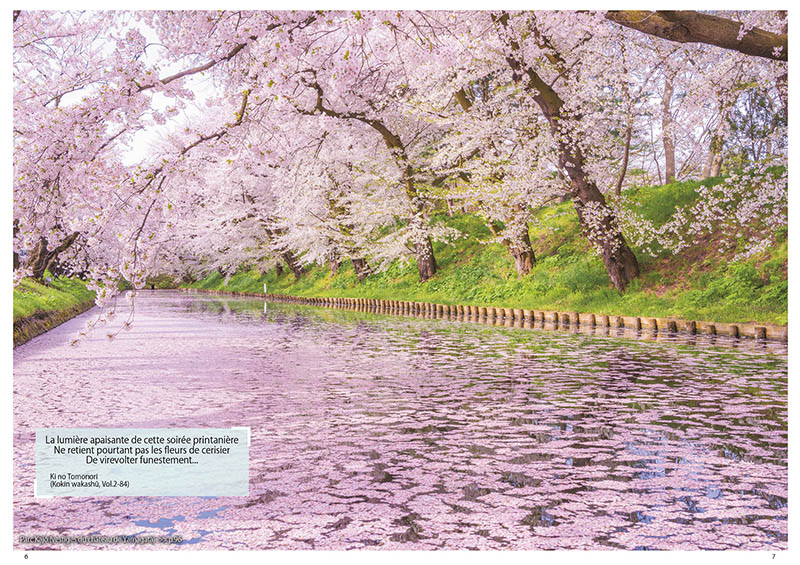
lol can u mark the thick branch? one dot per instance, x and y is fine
(463, 100)
(391, 140)
(689, 26)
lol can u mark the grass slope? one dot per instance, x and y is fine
(701, 283)
(31, 297)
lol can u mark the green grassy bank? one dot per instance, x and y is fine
(62, 293)
(703, 282)
(39, 307)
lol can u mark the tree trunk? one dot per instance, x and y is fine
(523, 257)
(426, 262)
(287, 256)
(599, 225)
(17, 260)
(714, 159)
(278, 269)
(519, 248)
(666, 130)
(38, 259)
(42, 259)
(716, 165)
(527, 254)
(625, 156)
(597, 220)
(362, 268)
(293, 264)
(334, 263)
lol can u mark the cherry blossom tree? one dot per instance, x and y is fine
(333, 136)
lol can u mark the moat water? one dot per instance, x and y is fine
(388, 432)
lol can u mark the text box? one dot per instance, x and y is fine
(142, 462)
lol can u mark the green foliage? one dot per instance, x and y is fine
(659, 203)
(699, 284)
(738, 284)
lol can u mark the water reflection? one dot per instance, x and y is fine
(398, 432)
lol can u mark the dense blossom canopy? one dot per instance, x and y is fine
(186, 142)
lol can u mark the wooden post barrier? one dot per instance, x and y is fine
(525, 318)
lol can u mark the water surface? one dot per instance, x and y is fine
(373, 431)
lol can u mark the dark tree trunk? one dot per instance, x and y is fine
(523, 260)
(597, 220)
(293, 264)
(362, 268)
(278, 269)
(16, 229)
(38, 259)
(521, 250)
(426, 262)
(714, 159)
(43, 259)
(287, 256)
(598, 224)
(523, 255)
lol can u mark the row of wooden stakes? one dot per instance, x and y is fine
(519, 316)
